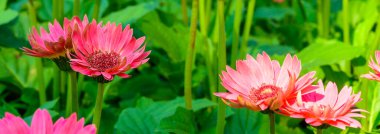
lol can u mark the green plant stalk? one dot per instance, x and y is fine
(326, 18)
(208, 11)
(190, 55)
(41, 83)
(236, 32)
(346, 65)
(56, 86)
(320, 17)
(69, 95)
(62, 84)
(55, 9)
(221, 65)
(272, 123)
(61, 7)
(39, 66)
(76, 10)
(96, 10)
(373, 114)
(247, 28)
(74, 91)
(208, 51)
(184, 12)
(98, 106)
(319, 131)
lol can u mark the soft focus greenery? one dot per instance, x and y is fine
(152, 101)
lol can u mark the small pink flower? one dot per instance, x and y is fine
(55, 44)
(43, 124)
(326, 106)
(375, 67)
(262, 83)
(104, 51)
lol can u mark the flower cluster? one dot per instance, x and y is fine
(261, 84)
(91, 49)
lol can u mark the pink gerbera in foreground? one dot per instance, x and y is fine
(326, 107)
(104, 51)
(55, 44)
(262, 83)
(375, 67)
(43, 124)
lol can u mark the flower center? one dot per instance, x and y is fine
(103, 61)
(264, 92)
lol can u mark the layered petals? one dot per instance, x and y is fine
(375, 66)
(43, 124)
(261, 83)
(327, 106)
(105, 51)
(56, 42)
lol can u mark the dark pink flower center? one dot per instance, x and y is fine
(103, 61)
(264, 92)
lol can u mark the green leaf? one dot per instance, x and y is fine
(273, 13)
(131, 13)
(164, 109)
(171, 39)
(3, 4)
(182, 122)
(135, 121)
(49, 104)
(245, 121)
(327, 52)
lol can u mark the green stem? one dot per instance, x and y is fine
(221, 65)
(39, 66)
(236, 32)
(61, 7)
(56, 82)
(76, 10)
(320, 17)
(326, 17)
(346, 66)
(98, 106)
(319, 131)
(69, 99)
(55, 9)
(184, 12)
(247, 28)
(208, 51)
(40, 78)
(190, 55)
(74, 89)
(272, 123)
(96, 9)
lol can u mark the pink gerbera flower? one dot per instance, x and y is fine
(326, 107)
(375, 67)
(43, 124)
(262, 83)
(55, 44)
(104, 51)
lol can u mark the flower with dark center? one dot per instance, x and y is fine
(102, 52)
(261, 84)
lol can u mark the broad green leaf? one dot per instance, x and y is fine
(3, 4)
(276, 13)
(49, 104)
(131, 14)
(182, 122)
(327, 52)
(245, 121)
(172, 39)
(7, 15)
(164, 109)
(135, 121)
